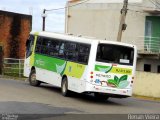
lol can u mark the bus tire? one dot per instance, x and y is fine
(100, 96)
(32, 79)
(64, 87)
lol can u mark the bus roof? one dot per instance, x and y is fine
(82, 39)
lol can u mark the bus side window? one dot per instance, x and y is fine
(71, 51)
(44, 47)
(38, 45)
(54, 48)
(29, 46)
(61, 50)
(83, 54)
(99, 53)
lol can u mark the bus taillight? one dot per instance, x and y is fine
(91, 75)
(114, 64)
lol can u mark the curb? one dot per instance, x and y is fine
(147, 98)
(12, 78)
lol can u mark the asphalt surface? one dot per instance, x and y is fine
(46, 101)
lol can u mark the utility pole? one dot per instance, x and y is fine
(44, 19)
(122, 25)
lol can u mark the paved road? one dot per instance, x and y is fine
(20, 97)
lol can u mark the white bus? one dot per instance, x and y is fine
(81, 65)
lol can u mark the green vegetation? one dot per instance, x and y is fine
(13, 70)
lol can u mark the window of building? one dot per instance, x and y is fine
(147, 67)
(158, 69)
(148, 30)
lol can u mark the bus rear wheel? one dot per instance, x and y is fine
(100, 96)
(32, 79)
(64, 87)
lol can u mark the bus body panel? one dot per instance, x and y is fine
(96, 76)
(27, 67)
(75, 73)
(108, 91)
(48, 77)
(106, 78)
(51, 70)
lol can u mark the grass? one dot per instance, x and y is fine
(6, 77)
(12, 70)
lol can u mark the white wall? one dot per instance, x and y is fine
(102, 21)
(147, 84)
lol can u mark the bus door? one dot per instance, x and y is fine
(29, 50)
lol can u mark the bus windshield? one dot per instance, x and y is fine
(117, 54)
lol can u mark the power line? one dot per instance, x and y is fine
(136, 11)
(84, 1)
(45, 10)
(141, 6)
(157, 2)
(154, 3)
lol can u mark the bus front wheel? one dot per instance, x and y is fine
(32, 79)
(64, 87)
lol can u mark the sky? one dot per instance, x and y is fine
(55, 20)
(113, 1)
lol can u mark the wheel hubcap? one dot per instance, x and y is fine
(33, 78)
(64, 87)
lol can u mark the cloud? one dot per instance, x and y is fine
(55, 19)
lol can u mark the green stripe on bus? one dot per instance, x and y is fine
(119, 70)
(59, 66)
(50, 63)
(110, 69)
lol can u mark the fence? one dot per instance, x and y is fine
(148, 44)
(13, 67)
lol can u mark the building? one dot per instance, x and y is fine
(14, 31)
(100, 19)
